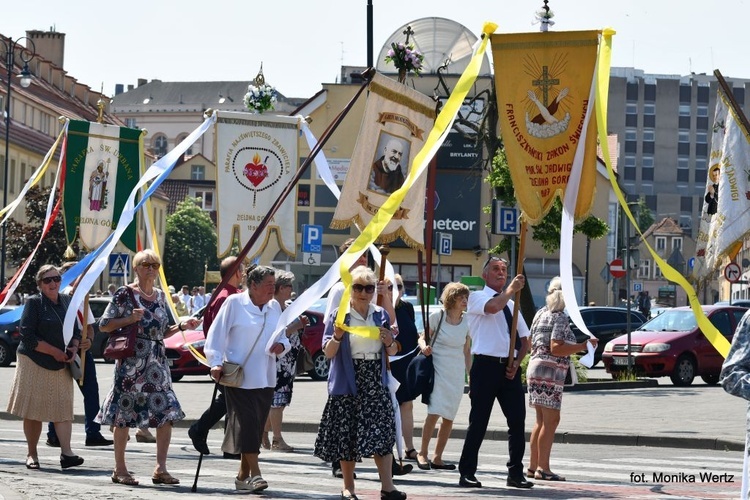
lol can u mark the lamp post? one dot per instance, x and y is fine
(26, 55)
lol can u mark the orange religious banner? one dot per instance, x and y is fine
(543, 83)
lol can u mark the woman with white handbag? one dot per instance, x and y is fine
(236, 351)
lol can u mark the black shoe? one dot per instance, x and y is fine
(232, 456)
(98, 441)
(336, 472)
(53, 442)
(518, 482)
(199, 440)
(401, 470)
(469, 482)
(66, 462)
(392, 495)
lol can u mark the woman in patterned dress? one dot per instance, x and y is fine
(141, 393)
(552, 343)
(286, 366)
(358, 419)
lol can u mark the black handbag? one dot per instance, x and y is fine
(420, 374)
(121, 342)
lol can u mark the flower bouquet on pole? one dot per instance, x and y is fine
(260, 96)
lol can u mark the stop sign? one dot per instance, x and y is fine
(616, 269)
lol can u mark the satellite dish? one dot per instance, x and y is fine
(437, 39)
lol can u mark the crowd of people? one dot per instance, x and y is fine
(469, 334)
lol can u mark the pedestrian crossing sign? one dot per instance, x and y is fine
(119, 264)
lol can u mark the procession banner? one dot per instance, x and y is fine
(724, 216)
(103, 166)
(394, 127)
(256, 157)
(543, 83)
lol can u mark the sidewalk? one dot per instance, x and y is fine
(699, 416)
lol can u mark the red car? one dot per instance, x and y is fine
(671, 345)
(182, 362)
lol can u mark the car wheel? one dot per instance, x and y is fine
(5, 357)
(320, 367)
(684, 371)
(710, 379)
(176, 378)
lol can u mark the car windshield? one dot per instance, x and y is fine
(671, 321)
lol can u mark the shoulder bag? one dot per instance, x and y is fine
(420, 374)
(232, 374)
(121, 342)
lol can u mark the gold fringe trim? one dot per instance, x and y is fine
(383, 237)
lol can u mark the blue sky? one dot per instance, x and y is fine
(302, 43)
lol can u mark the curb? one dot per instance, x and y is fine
(696, 443)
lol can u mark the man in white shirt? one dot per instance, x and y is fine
(490, 313)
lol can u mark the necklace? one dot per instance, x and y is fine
(148, 296)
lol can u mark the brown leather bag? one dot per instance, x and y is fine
(121, 342)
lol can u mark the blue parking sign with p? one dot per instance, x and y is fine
(508, 223)
(312, 238)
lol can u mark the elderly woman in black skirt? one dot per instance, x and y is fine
(358, 419)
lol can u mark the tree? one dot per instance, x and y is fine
(22, 238)
(190, 245)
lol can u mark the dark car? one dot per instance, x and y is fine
(606, 323)
(672, 345)
(182, 362)
(10, 337)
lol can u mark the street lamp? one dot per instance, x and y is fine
(26, 55)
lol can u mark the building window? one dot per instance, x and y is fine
(649, 92)
(205, 198)
(631, 134)
(631, 108)
(130, 122)
(661, 243)
(657, 271)
(683, 162)
(631, 91)
(683, 136)
(630, 161)
(701, 137)
(649, 109)
(739, 95)
(160, 145)
(629, 173)
(703, 91)
(644, 269)
(677, 243)
(188, 151)
(647, 162)
(198, 172)
(700, 176)
(12, 176)
(701, 110)
(684, 109)
(649, 135)
(647, 174)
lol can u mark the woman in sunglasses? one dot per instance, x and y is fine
(141, 393)
(42, 388)
(358, 419)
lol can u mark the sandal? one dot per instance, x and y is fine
(411, 454)
(126, 479)
(164, 478)
(348, 495)
(32, 463)
(547, 476)
(280, 445)
(392, 495)
(531, 473)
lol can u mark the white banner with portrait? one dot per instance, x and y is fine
(393, 130)
(256, 158)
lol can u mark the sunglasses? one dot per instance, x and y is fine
(390, 288)
(50, 279)
(363, 288)
(151, 265)
(400, 287)
(493, 258)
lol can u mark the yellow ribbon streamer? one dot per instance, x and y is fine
(385, 213)
(709, 330)
(39, 173)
